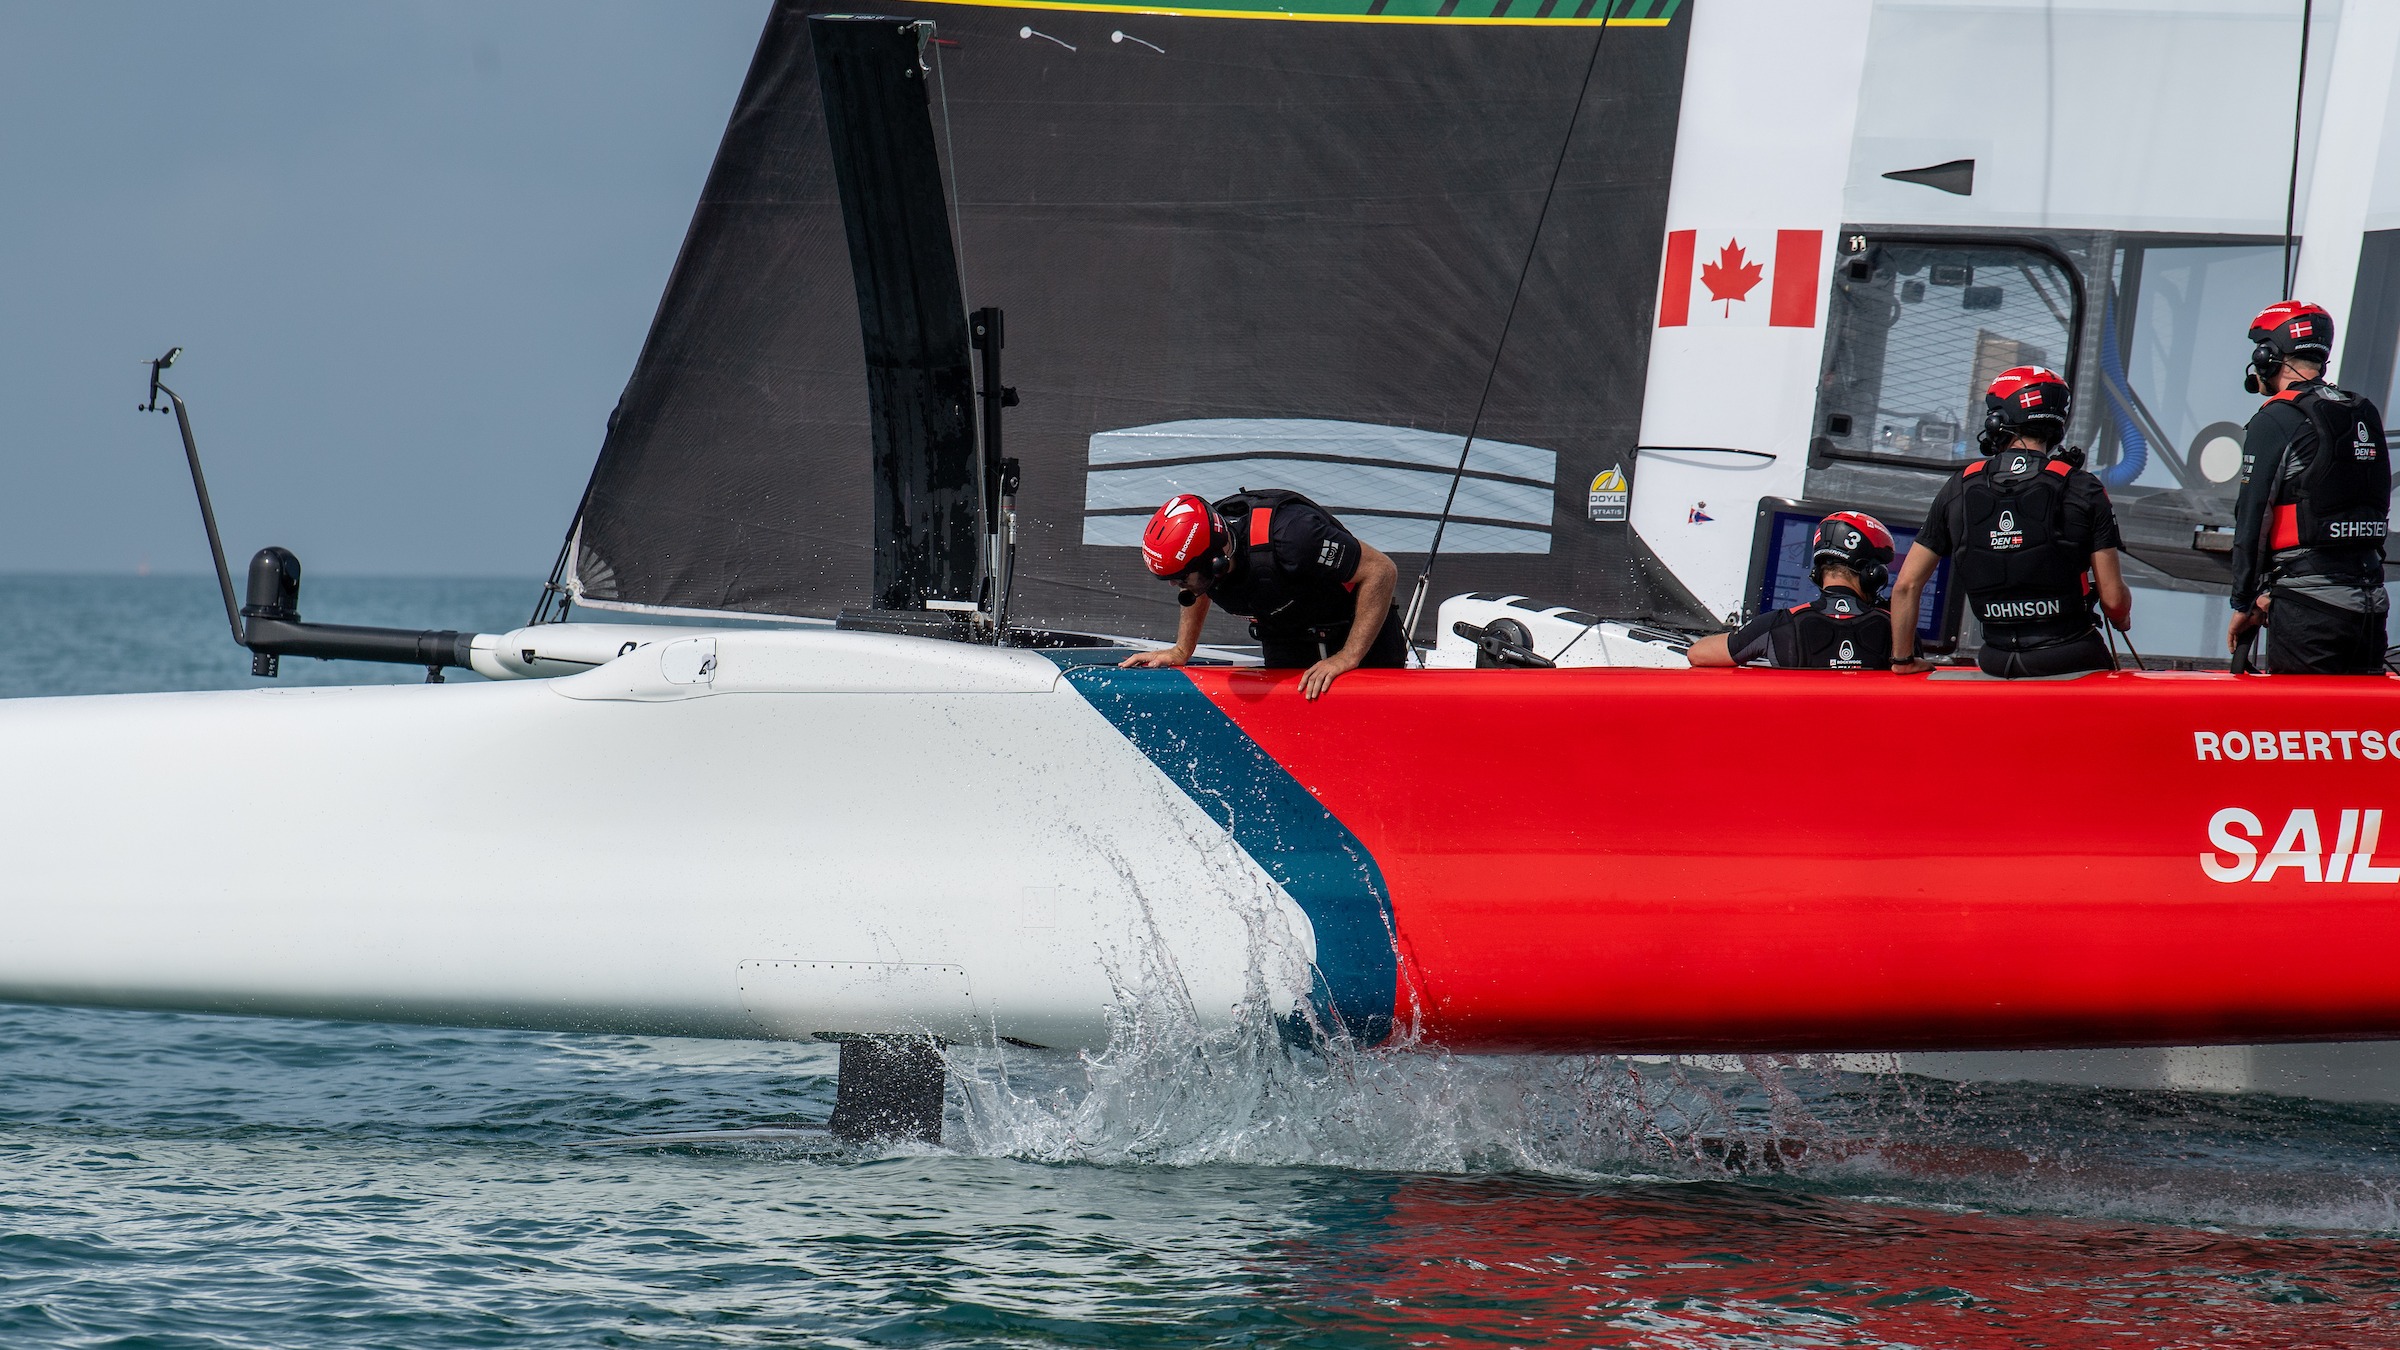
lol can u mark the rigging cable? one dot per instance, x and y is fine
(554, 591)
(2291, 196)
(958, 224)
(1416, 599)
(992, 564)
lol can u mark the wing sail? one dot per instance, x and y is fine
(1289, 244)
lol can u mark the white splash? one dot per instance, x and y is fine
(1177, 1087)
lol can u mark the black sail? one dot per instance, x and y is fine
(1234, 252)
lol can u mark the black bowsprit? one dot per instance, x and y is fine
(271, 628)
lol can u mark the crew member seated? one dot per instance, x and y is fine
(2026, 524)
(1850, 558)
(1317, 597)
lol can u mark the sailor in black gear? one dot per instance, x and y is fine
(1844, 628)
(2314, 508)
(2026, 524)
(1318, 598)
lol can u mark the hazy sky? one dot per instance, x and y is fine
(410, 249)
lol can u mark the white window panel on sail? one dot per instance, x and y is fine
(1386, 483)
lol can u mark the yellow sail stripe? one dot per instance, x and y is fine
(1298, 16)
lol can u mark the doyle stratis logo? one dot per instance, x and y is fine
(1755, 278)
(1608, 496)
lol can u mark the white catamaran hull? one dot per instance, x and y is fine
(719, 856)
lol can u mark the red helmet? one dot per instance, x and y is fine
(2291, 328)
(1183, 534)
(2026, 401)
(1855, 540)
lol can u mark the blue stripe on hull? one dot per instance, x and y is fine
(1303, 846)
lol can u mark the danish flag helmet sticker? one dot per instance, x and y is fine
(2294, 328)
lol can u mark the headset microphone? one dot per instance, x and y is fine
(2264, 362)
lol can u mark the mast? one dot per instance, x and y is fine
(928, 498)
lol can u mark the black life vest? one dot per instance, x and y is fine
(1835, 631)
(2341, 498)
(2021, 572)
(1282, 604)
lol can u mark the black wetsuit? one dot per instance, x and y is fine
(1294, 576)
(1839, 630)
(2024, 528)
(2328, 610)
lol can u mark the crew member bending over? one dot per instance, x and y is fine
(2314, 508)
(1850, 558)
(1317, 597)
(2026, 524)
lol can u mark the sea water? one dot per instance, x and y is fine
(195, 1182)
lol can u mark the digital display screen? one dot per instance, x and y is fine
(1786, 582)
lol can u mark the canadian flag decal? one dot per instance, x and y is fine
(1724, 288)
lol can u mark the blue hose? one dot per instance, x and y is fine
(2130, 464)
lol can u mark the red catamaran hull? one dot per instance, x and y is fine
(1631, 860)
